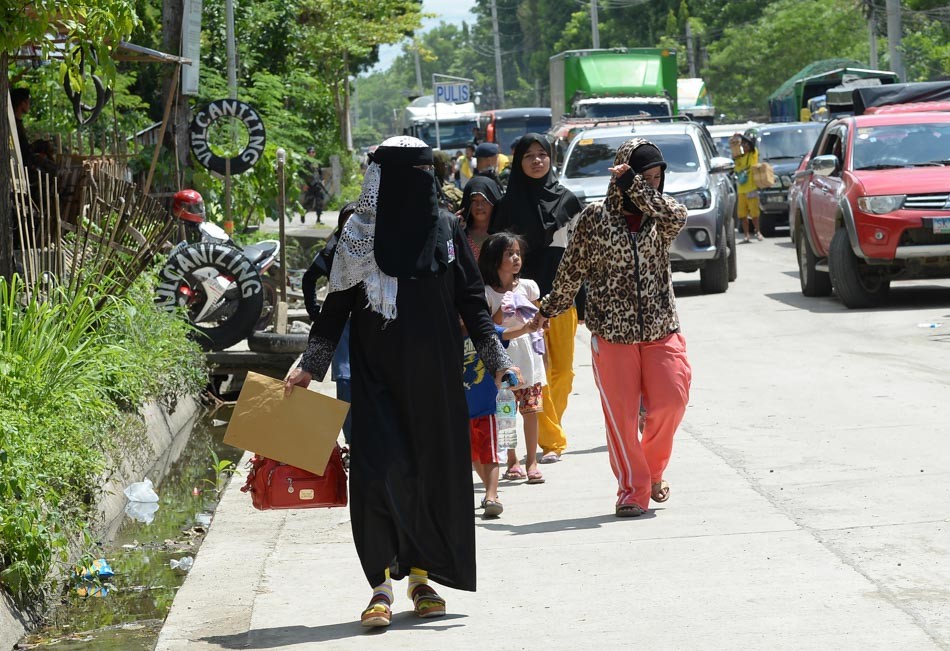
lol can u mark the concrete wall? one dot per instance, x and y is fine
(167, 432)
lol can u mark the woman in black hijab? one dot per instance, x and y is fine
(540, 209)
(403, 273)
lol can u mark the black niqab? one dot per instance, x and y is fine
(534, 208)
(407, 243)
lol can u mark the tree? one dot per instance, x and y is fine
(90, 28)
(750, 61)
(340, 36)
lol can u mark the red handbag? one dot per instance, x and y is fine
(276, 485)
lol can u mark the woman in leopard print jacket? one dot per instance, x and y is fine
(620, 248)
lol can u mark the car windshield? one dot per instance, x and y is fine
(591, 157)
(787, 143)
(618, 110)
(506, 131)
(452, 135)
(904, 145)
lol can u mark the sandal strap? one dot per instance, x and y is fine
(424, 592)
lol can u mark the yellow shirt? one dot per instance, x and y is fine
(744, 165)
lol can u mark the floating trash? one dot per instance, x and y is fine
(99, 570)
(932, 324)
(141, 491)
(184, 564)
(203, 519)
(141, 511)
(218, 423)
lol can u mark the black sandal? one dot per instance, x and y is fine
(629, 511)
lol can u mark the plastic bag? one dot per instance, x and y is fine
(141, 511)
(184, 564)
(141, 491)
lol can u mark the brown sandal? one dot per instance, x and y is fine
(426, 601)
(629, 511)
(377, 614)
(660, 492)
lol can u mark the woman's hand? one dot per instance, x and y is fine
(499, 376)
(619, 170)
(298, 377)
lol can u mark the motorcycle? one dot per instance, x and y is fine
(224, 289)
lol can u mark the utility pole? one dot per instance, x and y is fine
(594, 28)
(232, 55)
(415, 48)
(894, 38)
(872, 34)
(690, 52)
(498, 76)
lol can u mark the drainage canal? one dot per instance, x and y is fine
(129, 616)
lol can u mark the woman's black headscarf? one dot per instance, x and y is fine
(407, 213)
(484, 186)
(534, 208)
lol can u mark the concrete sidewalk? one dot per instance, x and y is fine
(721, 565)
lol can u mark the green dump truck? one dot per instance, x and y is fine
(614, 83)
(815, 79)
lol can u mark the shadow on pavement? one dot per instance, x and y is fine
(271, 638)
(600, 448)
(593, 522)
(898, 298)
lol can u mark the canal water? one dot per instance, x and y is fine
(130, 615)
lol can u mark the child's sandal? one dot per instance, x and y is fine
(426, 602)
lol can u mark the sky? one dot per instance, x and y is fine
(449, 11)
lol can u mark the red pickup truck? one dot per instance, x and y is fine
(871, 205)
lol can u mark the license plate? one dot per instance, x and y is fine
(941, 224)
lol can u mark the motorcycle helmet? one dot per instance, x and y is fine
(189, 206)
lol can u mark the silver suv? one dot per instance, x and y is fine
(696, 176)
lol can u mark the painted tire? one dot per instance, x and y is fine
(227, 108)
(244, 299)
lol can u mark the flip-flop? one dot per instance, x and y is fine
(550, 457)
(493, 508)
(660, 491)
(535, 477)
(629, 511)
(514, 474)
(426, 602)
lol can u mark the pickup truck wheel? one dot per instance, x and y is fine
(714, 275)
(857, 284)
(731, 242)
(813, 282)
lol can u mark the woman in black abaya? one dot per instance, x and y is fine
(403, 273)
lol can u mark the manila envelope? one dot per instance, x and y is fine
(299, 430)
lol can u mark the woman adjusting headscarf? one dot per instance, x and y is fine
(403, 273)
(621, 249)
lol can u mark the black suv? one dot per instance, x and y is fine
(782, 145)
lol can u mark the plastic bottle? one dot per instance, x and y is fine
(506, 412)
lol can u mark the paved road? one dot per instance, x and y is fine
(810, 506)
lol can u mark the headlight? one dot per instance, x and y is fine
(696, 200)
(787, 180)
(881, 204)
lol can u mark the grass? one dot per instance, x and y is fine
(71, 381)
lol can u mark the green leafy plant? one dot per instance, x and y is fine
(73, 371)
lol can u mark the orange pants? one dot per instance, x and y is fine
(658, 373)
(559, 365)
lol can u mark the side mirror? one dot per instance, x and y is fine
(721, 165)
(824, 165)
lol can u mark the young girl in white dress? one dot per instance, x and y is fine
(512, 301)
